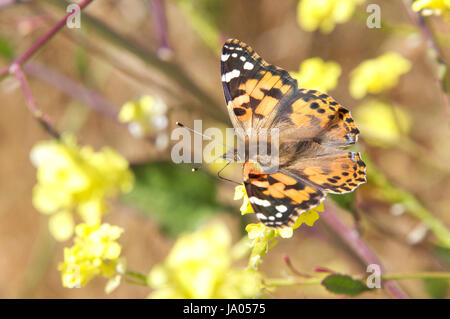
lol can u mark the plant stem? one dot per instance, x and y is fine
(417, 19)
(44, 39)
(283, 282)
(73, 89)
(170, 69)
(354, 241)
(160, 24)
(287, 282)
(42, 119)
(141, 277)
(420, 275)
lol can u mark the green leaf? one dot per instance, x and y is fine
(177, 198)
(6, 48)
(344, 285)
(436, 288)
(443, 253)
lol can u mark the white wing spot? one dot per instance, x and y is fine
(248, 66)
(281, 208)
(234, 55)
(231, 75)
(278, 215)
(259, 202)
(242, 58)
(261, 216)
(224, 57)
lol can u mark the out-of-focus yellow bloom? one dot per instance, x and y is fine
(95, 253)
(432, 7)
(72, 178)
(144, 116)
(240, 192)
(382, 124)
(377, 75)
(316, 74)
(199, 266)
(324, 14)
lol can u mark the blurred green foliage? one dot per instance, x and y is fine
(436, 288)
(177, 198)
(6, 48)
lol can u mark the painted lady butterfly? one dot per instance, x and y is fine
(313, 129)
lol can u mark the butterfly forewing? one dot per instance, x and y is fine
(253, 88)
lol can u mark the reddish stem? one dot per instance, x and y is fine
(39, 43)
(16, 69)
(352, 239)
(288, 263)
(160, 23)
(417, 19)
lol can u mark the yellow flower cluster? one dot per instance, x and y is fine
(72, 178)
(377, 75)
(144, 116)
(324, 14)
(432, 7)
(199, 266)
(382, 124)
(95, 253)
(314, 73)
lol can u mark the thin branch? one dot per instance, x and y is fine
(417, 19)
(351, 238)
(73, 89)
(15, 68)
(170, 69)
(43, 120)
(160, 25)
(44, 39)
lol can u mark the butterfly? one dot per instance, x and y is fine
(313, 130)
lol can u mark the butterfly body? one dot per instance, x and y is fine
(311, 130)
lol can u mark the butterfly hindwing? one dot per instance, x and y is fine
(338, 173)
(278, 199)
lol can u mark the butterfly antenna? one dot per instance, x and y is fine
(195, 169)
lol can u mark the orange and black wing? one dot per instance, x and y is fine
(253, 88)
(278, 199)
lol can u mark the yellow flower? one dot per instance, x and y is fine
(432, 7)
(95, 253)
(199, 266)
(72, 178)
(382, 124)
(144, 116)
(316, 74)
(240, 192)
(377, 75)
(324, 14)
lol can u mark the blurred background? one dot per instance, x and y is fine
(170, 50)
